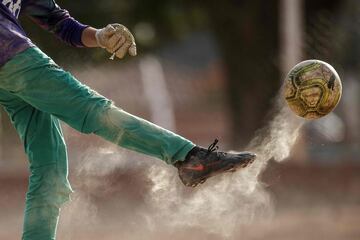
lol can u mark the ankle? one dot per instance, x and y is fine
(192, 152)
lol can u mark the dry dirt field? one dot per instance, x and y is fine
(310, 202)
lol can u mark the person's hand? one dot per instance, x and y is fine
(116, 39)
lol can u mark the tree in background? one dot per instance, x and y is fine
(247, 33)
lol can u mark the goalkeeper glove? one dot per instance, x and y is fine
(116, 39)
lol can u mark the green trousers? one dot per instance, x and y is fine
(36, 92)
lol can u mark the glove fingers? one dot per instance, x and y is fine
(129, 38)
(117, 39)
(103, 35)
(117, 45)
(123, 50)
(132, 50)
(109, 31)
(113, 40)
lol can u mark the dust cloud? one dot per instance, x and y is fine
(153, 204)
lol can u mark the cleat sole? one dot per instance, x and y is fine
(202, 181)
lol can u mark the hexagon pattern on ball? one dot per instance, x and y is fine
(312, 89)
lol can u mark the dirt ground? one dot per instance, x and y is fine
(310, 202)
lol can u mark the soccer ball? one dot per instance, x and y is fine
(312, 89)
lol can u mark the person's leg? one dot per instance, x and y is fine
(48, 184)
(36, 79)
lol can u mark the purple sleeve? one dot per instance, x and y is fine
(51, 17)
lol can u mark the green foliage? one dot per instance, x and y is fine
(246, 33)
(169, 20)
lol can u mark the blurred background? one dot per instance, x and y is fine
(209, 69)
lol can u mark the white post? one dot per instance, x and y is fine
(156, 92)
(291, 27)
(291, 42)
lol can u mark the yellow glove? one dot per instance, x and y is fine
(116, 39)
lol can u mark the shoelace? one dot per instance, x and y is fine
(213, 147)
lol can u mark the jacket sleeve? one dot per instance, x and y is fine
(51, 17)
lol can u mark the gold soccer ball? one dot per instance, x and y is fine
(312, 89)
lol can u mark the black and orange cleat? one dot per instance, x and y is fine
(201, 163)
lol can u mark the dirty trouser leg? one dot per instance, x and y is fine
(48, 183)
(36, 79)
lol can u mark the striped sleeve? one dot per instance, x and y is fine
(48, 15)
